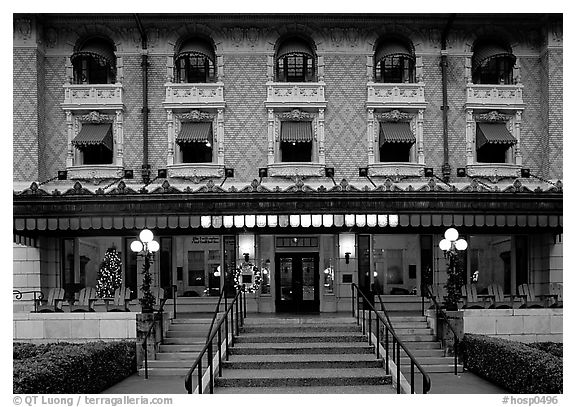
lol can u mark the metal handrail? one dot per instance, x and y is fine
(38, 296)
(383, 308)
(396, 342)
(159, 313)
(222, 293)
(438, 310)
(236, 321)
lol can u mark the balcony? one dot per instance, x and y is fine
(493, 171)
(396, 171)
(195, 170)
(194, 95)
(92, 96)
(494, 96)
(395, 95)
(291, 94)
(95, 172)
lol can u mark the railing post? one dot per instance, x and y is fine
(174, 290)
(237, 318)
(358, 308)
(363, 319)
(244, 307)
(352, 289)
(377, 337)
(398, 367)
(456, 355)
(387, 351)
(226, 332)
(370, 326)
(200, 376)
(412, 377)
(232, 325)
(161, 327)
(220, 350)
(145, 346)
(210, 366)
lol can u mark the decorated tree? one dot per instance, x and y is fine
(109, 275)
(148, 300)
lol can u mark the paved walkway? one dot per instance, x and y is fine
(442, 383)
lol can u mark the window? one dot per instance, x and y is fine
(95, 144)
(195, 142)
(493, 143)
(492, 63)
(394, 63)
(94, 62)
(296, 141)
(295, 61)
(195, 62)
(396, 141)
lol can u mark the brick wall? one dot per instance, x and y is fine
(555, 112)
(25, 114)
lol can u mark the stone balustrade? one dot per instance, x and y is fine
(194, 95)
(395, 94)
(295, 94)
(494, 96)
(92, 96)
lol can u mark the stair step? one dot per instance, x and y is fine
(185, 341)
(410, 325)
(422, 345)
(302, 377)
(446, 368)
(172, 348)
(299, 328)
(307, 348)
(422, 353)
(325, 389)
(412, 331)
(302, 337)
(164, 372)
(333, 361)
(187, 334)
(429, 360)
(416, 338)
(297, 321)
(174, 364)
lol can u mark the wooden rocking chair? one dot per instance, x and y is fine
(471, 299)
(53, 303)
(120, 300)
(529, 300)
(497, 298)
(556, 295)
(86, 299)
(437, 292)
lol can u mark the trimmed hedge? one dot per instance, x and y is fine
(515, 366)
(72, 368)
(553, 348)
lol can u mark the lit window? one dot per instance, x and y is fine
(296, 141)
(195, 142)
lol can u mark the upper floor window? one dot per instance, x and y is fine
(296, 141)
(295, 61)
(94, 62)
(494, 143)
(195, 62)
(394, 63)
(195, 142)
(95, 144)
(492, 63)
(396, 142)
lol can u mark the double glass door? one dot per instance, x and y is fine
(297, 282)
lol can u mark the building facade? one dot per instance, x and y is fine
(293, 154)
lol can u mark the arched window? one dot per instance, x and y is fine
(295, 61)
(195, 62)
(492, 63)
(94, 62)
(394, 63)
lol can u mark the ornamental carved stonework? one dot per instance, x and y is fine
(393, 116)
(195, 116)
(492, 117)
(296, 115)
(96, 117)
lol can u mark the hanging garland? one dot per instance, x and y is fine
(247, 269)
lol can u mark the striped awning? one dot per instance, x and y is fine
(294, 46)
(195, 132)
(94, 134)
(493, 133)
(396, 133)
(390, 48)
(489, 51)
(296, 132)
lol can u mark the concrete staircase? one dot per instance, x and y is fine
(302, 355)
(418, 337)
(182, 343)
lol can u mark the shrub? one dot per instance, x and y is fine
(72, 368)
(553, 348)
(515, 366)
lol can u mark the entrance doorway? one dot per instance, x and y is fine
(297, 282)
